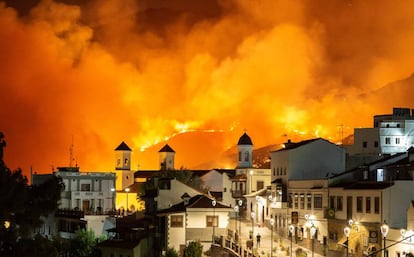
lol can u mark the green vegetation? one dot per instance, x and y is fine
(193, 249)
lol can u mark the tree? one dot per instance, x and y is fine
(171, 252)
(22, 206)
(84, 243)
(193, 249)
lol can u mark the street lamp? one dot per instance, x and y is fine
(251, 181)
(127, 191)
(113, 198)
(240, 209)
(272, 224)
(252, 214)
(214, 219)
(292, 233)
(312, 232)
(384, 232)
(347, 231)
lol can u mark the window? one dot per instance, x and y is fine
(240, 156)
(278, 171)
(176, 221)
(284, 171)
(364, 144)
(332, 202)
(246, 156)
(368, 204)
(126, 161)
(376, 144)
(359, 204)
(259, 185)
(317, 201)
(302, 201)
(274, 172)
(308, 201)
(339, 203)
(397, 140)
(211, 221)
(296, 201)
(387, 140)
(290, 200)
(85, 187)
(376, 204)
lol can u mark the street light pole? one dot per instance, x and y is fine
(252, 214)
(347, 232)
(127, 190)
(384, 232)
(240, 232)
(272, 223)
(113, 198)
(214, 220)
(312, 232)
(292, 232)
(236, 210)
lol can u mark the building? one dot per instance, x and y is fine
(86, 202)
(365, 198)
(390, 134)
(198, 218)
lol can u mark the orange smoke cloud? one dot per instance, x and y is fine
(144, 71)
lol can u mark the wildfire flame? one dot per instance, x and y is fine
(145, 72)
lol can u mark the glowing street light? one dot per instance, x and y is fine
(384, 232)
(347, 232)
(252, 214)
(292, 233)
(214, 219)
(312, 232)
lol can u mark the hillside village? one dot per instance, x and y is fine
(333, 200)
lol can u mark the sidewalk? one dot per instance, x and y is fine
(265, 241)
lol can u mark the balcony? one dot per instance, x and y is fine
(237, 193)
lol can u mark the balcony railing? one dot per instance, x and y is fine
(237, 193)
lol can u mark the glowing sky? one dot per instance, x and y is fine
(105, 71)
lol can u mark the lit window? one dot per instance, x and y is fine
(317, 201)
(176, 221)
(211, 221)
(296, 201)
(302, 201)
(309, 201)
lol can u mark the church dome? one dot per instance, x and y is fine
(245, 140)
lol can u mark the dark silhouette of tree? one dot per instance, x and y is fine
(22, 206)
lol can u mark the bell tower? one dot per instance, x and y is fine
(167, 155)
(124, 175)
(245, 150)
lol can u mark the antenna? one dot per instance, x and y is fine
(71, 153)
